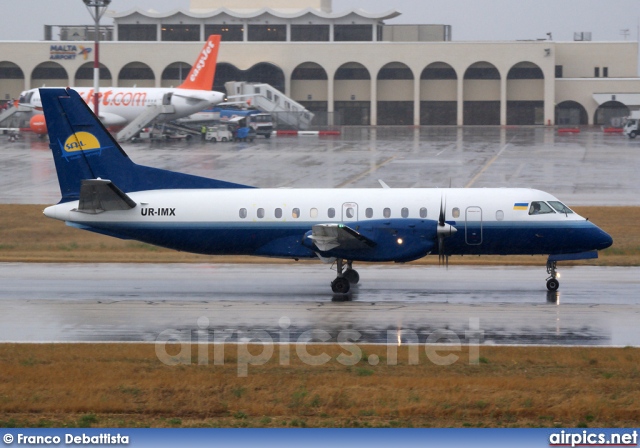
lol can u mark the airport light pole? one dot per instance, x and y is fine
(97, 9)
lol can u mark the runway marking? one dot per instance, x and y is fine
(488, 164)
(445, 149)
(366, 173)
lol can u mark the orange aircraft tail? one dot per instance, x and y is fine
(203, 71)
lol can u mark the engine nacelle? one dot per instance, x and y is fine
(38, 124)
(389, 240)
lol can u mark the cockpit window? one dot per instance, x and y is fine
(539, 208)
(560, 207)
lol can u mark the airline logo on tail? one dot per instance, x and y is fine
(79, 144)
(202, 62)
(203, 71)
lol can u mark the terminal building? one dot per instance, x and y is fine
(348, 68)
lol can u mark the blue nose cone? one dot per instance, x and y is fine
(603, 240)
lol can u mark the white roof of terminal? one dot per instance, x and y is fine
(248, 14)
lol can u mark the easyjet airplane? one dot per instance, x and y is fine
(105, 192)
(120, 105)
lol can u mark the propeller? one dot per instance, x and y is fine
(444, 230)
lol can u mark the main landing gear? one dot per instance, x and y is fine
(552, 281)
(346, 277)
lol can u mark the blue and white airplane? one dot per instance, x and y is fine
(105, 192)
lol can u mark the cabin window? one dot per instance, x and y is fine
(423, 212)
(331, 213)
(368, 213)
(404, 212)
(499, 215)
(539, 208)
(560, 207)
(295, 213)
(313, 213)
(260, 213)
(455, 212)
(243, 213)
(386, 213)
(350, 212)
(278, 213)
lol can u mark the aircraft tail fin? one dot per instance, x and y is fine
(203, 72)
(84, 149)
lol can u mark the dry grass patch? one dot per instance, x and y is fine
(27, 235)
(126, 385)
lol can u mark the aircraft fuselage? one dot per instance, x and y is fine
(403, 222)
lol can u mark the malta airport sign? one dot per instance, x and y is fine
(68, 52)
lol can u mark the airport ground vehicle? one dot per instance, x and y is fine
(219, 133)
(242, 129)
(632, 125)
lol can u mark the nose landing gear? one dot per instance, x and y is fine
(552, 281)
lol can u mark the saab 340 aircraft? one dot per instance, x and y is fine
(105, 192)
(121, 105)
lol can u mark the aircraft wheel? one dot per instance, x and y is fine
(340, 285)
(553, 284)
(352, 276)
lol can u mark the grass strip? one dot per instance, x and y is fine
(126, 385)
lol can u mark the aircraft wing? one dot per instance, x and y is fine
(101, 195)
(330, 236)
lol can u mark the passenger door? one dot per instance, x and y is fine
(473, 226)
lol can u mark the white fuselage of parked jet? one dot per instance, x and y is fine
(119, 106)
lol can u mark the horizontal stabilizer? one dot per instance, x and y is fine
(330, 236)
(100, 195)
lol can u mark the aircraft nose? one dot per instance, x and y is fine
(605, 240)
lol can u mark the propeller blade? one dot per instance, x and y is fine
(443, 231)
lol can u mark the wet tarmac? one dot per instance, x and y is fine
(595, 306)
(590, 168)
(143, 302)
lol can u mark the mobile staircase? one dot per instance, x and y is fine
(285, 111)
(143, 120)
